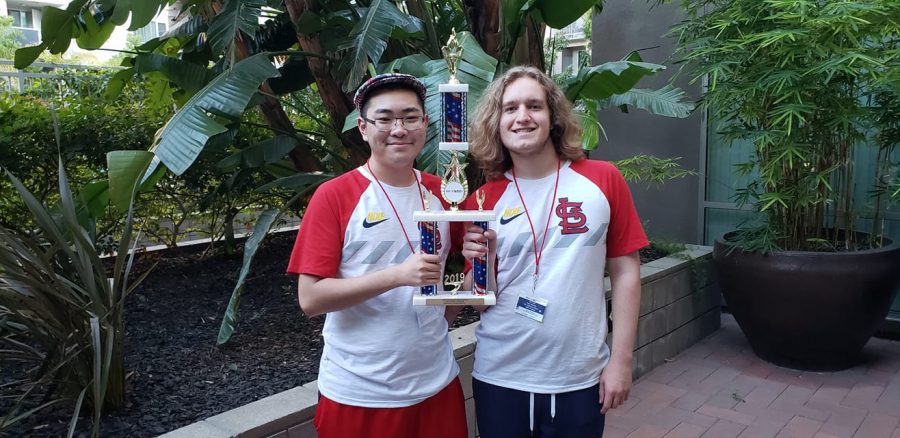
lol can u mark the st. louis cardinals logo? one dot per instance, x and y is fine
(573, 219)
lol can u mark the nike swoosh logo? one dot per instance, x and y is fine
(506, 220)
(367, 224)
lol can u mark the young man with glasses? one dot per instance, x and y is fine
(542, 366)
(387, 368)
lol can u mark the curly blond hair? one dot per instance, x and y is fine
(485, 144)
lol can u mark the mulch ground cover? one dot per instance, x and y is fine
(177, 374)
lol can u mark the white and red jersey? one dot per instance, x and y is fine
(383, 352)
(592, 217)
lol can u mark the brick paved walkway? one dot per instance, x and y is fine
(719, 388)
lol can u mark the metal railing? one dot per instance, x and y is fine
(573, 31)
(14, 80)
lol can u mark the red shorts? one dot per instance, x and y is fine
(442, 415)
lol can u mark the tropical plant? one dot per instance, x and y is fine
(8, 36)
(812, 85)
(61, 307)
(217, 64)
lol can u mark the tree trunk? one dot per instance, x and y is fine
(530, 45)
(336, 102)
(302, 156)
(484, 22)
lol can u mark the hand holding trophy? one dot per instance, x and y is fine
(454, 189)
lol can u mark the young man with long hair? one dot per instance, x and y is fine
(542, 366)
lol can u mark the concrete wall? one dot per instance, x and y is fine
(679, 306)
(670, 210)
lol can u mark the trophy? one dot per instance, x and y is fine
(454, 189)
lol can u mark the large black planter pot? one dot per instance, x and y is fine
(808, 310)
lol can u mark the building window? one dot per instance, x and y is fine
(21, 18)
(567, 58)
(153, 30)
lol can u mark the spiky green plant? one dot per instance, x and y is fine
(61, 310)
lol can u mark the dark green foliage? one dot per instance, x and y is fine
(90, 127)
(61, 309)
(798, 79)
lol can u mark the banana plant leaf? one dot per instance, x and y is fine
(125, 171)
(188, 27)
(263, 224)
(189, 76)
(142, 12)
(299, 182)
(605, 80)
(185, 134)
(92, 33)
(667, 101)
(92, 201)
(237, 15)
(368, 39)
(558, 17)
(264, 152)
(590, 127)
(90, 28)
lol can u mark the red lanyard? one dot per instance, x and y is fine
(538, 252)
(397, 215)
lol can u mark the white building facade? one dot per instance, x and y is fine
(576, 50)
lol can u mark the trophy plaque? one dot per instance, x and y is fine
(454, 189)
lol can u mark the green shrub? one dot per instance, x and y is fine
(62, 310)
(202, 200)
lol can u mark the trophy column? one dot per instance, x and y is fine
(454, 189)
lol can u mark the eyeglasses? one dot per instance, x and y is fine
(410, 123)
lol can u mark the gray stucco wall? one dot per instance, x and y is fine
(670, 211)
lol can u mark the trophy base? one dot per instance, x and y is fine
(460, 298)
(454, 216)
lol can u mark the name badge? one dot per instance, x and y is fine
(532, 307)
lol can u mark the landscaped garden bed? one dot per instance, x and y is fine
(176, 373)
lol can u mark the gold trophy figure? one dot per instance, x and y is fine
(454, 189)
(452, 54)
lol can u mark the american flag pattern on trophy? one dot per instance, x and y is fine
(427, 232)
(479, 268)
(454, 130)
